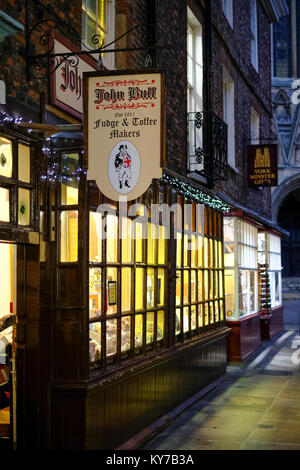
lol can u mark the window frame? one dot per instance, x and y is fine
(14, 184)
(108, 59)
(254, 35)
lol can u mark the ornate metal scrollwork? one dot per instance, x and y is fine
(47, 62)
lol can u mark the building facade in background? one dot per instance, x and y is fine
(110, 333)
(285, 100)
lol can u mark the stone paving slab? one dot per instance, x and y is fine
(257, 407)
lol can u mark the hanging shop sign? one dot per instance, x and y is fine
(66, 83)
(124, 130)
(262, 165)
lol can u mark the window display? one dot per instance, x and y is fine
(241, 268)
(269, 256)
(132, 305)
(198, 247)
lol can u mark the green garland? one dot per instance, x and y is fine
(196, 194)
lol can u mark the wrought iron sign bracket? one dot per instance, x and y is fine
(46, 63)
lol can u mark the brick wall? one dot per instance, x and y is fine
(231, 49)
(20, 91)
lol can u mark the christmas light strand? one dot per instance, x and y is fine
(196, 194)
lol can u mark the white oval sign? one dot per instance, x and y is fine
(124, 166)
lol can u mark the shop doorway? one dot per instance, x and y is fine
(8, 283)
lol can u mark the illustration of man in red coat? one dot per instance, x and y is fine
(123, 166)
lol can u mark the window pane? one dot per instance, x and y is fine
(111, 337)
(95, 292)
(138, 242)
(193, 318)
(95, 237)
(177, 321)
(138, 331)
(24, 163)
(193, 251)
(69, 175)
(5, 158)
(243, 292)
(178, 249)
(229, 295)
(126, 240)
(125, 333)
(139, 288)
(4, 205)
(91, 6)
(178, 288)
(185, 287)
(111, 238)
(200, 285)
(126, 289)
(111, 291)
(186, 315)
(162, 245)
(69, 236)
(150, 328)
(91, 31)
(160, 325)
(193, 286)
(24, 207)
(206, 256)
(200, 315)
(206, 316)
(200, 252)
(161, 287)
(150, 288)
(95, 342)
(152, 243)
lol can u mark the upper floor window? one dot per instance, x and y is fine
(254, 38)
(194, 87)
(254, 127)
(282, 45)
(228, 11)
(228, 115)
(98, 18)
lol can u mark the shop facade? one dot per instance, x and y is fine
(120, 311)
(252, 258)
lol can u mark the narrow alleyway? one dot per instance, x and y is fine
(257, 407)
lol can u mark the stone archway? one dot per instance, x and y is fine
(286, 211)
(279, 195)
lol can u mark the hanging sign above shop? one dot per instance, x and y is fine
(262, 165)
(66, 85)
(124, 130)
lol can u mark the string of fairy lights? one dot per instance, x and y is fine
(59, 170)
(189, 191)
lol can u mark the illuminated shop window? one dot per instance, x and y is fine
(241, 269)
(69, 179)
(199, 278)
(4, 205)
(269, 254)
(69, 236)
(127, 282)
(16, 182)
